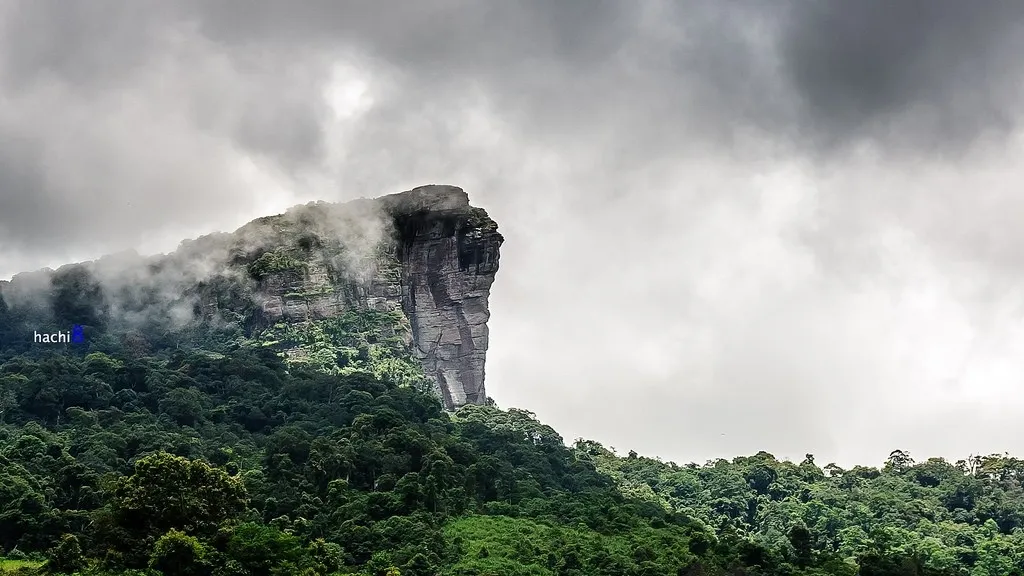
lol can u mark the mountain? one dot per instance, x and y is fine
(426, 255)
(285, 400)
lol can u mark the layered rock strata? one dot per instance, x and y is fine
(435, 260)
(449, 255)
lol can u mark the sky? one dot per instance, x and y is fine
(730, 226)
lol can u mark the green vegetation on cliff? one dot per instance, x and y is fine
(229, 460)
(369, 341)
(276, 262)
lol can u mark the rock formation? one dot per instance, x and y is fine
(449, 255)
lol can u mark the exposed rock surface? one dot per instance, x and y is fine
(435, 260)
(449, 256)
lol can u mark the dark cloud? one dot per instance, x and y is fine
(910, 76)
(935, 74)
(645, 81)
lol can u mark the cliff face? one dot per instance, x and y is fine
(425, 256)
(426, 252)
(449, 256)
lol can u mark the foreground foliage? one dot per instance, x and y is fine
(223, 459)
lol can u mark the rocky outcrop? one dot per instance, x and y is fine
(435, 260)
(449, 255)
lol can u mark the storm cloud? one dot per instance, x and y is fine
(731, 226)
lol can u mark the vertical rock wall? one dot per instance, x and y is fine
(449, 255)
(437, 266)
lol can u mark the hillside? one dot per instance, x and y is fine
(286, 400)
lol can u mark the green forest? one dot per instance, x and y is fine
(209, 453)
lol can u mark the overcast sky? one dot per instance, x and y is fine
(730, 226)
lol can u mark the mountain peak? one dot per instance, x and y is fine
(425, 258)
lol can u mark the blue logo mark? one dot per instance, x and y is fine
(77, 334)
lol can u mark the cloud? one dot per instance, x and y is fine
(731, 226)
(133, 128)
(931, 76)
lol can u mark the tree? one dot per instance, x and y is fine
(419, 566)
(66, 557)
(259, 548)
(8, 402)
(899, 461)
(802, 540)
(328, 556)
(178, 554)
(168, 492)
(184, 405)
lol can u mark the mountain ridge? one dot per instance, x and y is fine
(425, 253)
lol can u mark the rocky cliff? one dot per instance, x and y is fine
(305, 281)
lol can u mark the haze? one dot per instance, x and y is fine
(731, 226)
